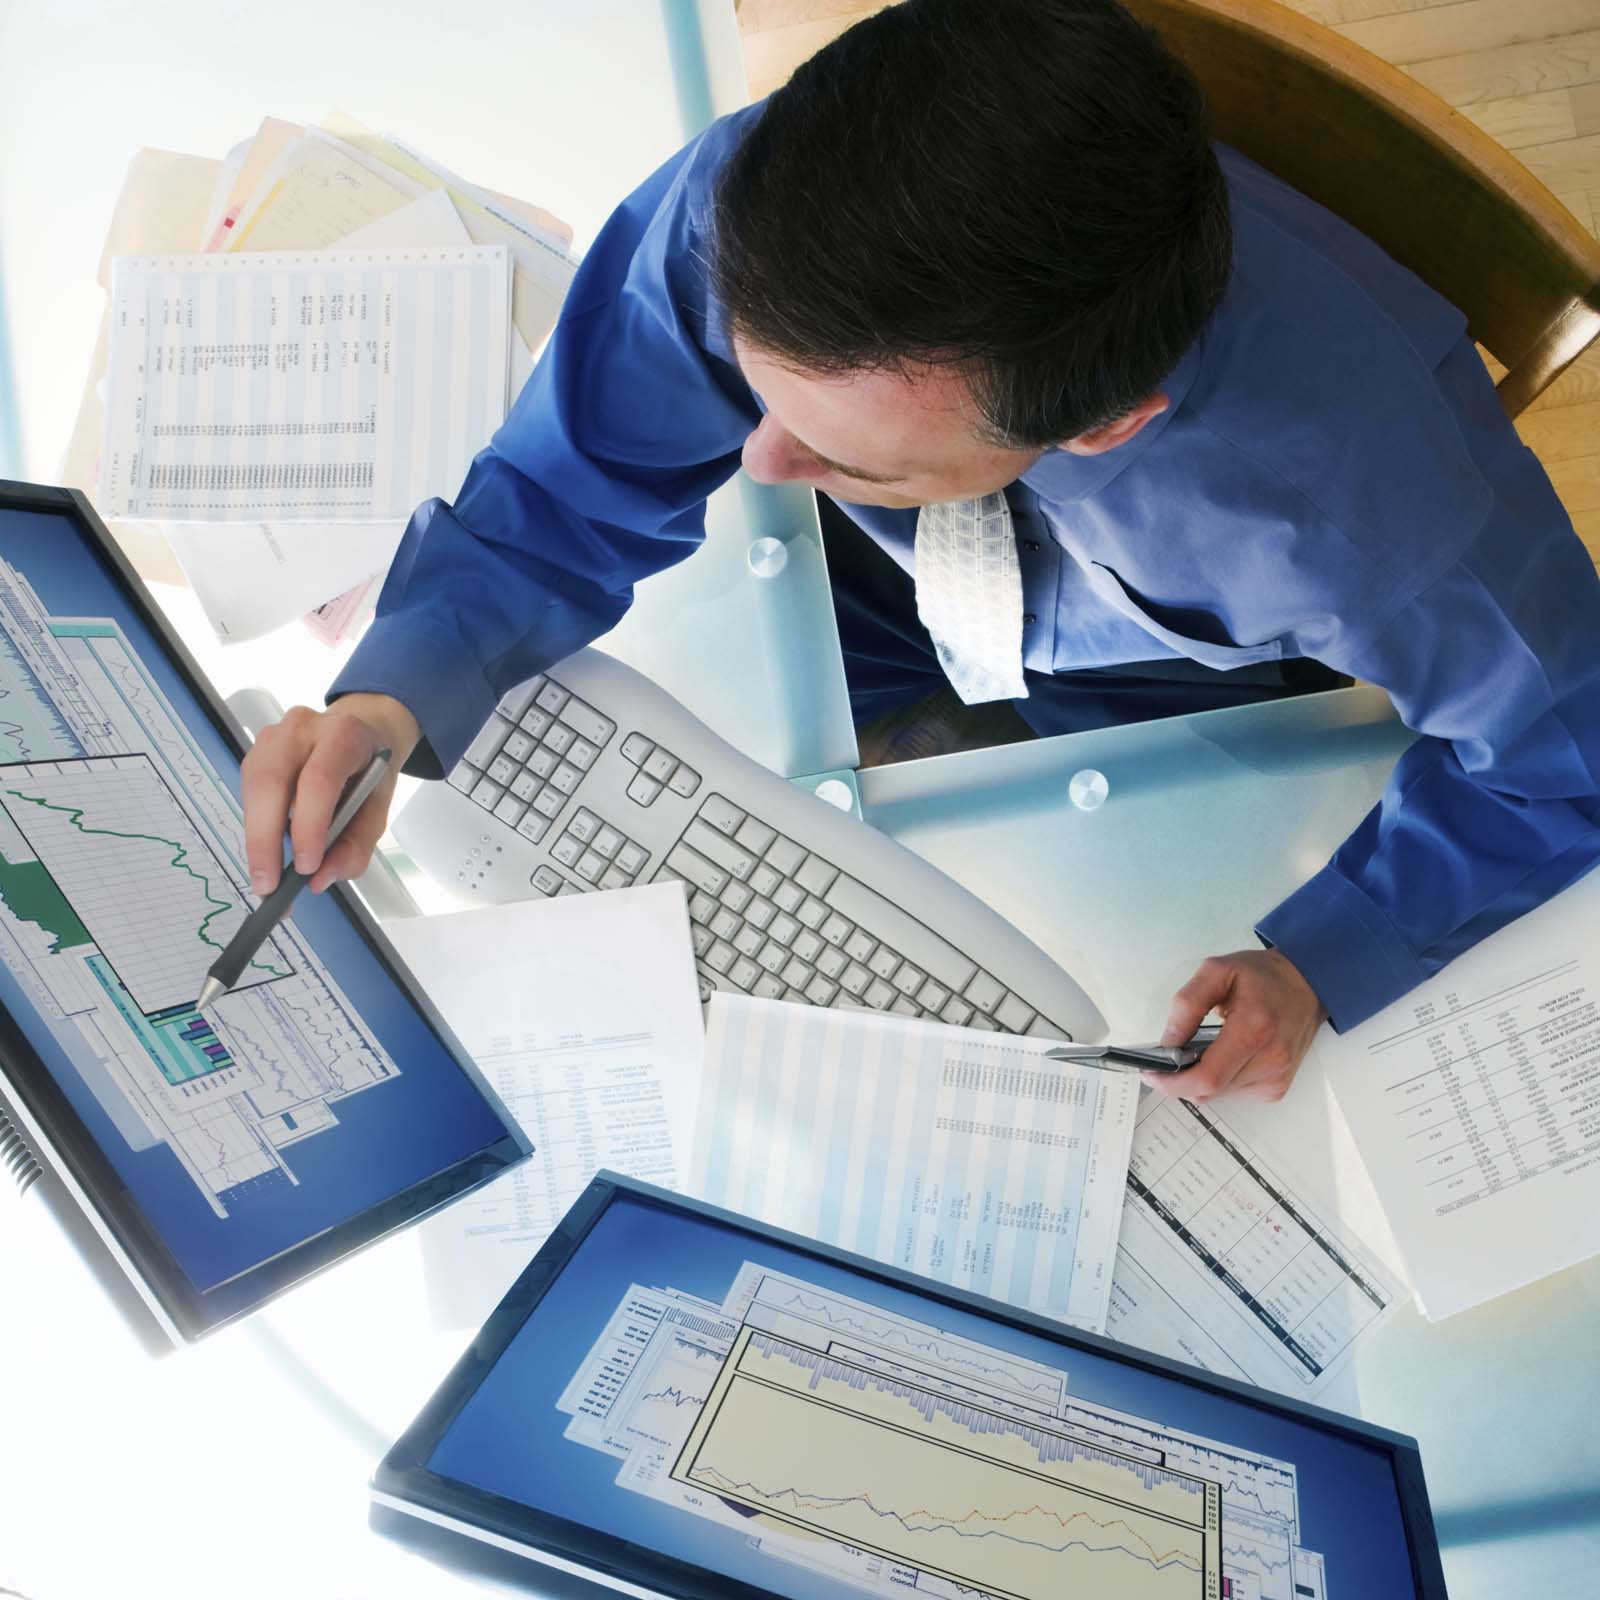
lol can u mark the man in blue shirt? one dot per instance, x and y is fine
(983, 254)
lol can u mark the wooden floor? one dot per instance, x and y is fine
(1526, 71)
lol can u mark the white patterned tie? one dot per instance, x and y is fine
(969, 596)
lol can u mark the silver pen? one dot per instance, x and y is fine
(254, 931)
(1140, 1057)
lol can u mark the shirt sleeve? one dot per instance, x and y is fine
(598, 477)
(1496, 663)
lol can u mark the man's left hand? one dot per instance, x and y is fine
(1269, 1016)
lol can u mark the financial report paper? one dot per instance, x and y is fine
(741, 1411)
(583, 1014)
(961, 1155)
(343, 385)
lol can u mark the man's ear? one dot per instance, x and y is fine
(1121, 431)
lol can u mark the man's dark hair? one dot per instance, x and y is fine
(1025, 188)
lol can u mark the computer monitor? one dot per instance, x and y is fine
(203, 1161)
(675, 1400)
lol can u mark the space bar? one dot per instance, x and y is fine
(886, 921)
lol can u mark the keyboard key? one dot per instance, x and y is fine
(702, 908)
(932, 996)
(958, 1013)
(535, 722)
(607, 842)
(524, 786)
(816, 875)
(545, 879)
(566, 850)
(488, 793)
(510, 810)
(885, 962)
(1013, 1014)
(702, 938)
(502, 769)
(632, 857)
(760, 912)
(552, 697)
(749, 940)
(464, 777)
(566, 777)
(635, 748)
(812, 912)
(517, 700)
(784, 855)
(982, 1022)
(783, 929)
(795, 997)
(832, 961)
(797, 973)
(585, 824)
(879, 995)
(854, 979)
(559, 737)
(721, 956)
(697, 870)
(724, 924)
(789, 896)
(984, 993)
(808, 946)
(643, 791)
(548, 801)
(764, 880)
(720, 848)
(908, 980)
(904, 1007)
(590, 867)
(533, 827)
(722, 814)
(543, 762)
(582, 754)
(487, 741)
(706, 986)
(684, 781)
(612, 879)
(737, 896)
(860, 945)
(587, 723)
(518, 746)
(835, 929)
(661, 764)
(820, 992)
(768, 987)
(917, 943)
(773, 957)
(745, 973)
(755, 835)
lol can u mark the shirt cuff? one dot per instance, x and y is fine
(433, 675)
(1344, 946)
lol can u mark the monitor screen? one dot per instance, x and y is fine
(316, 1104)
(791, 1420)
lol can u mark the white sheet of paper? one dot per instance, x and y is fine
(584, 1015)
(340, 385)
(1475, 1103)
(961, 1155)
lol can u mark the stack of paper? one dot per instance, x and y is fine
(304, 341)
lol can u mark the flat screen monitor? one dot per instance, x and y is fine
(676, 1400)
(203, 1160)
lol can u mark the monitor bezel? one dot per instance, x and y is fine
(65, 1146)
(403, 1482)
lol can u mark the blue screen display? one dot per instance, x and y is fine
(313, 1091)
(777, 1418)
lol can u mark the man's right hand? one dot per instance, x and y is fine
(301, 765)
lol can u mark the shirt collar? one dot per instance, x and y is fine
(1060, 476)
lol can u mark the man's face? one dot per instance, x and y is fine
(874, 438)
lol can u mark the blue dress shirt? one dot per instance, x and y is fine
(1333, 478)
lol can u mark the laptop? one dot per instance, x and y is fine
(674, 1400)
(202, 1161)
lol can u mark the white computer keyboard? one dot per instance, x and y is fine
(590, 777)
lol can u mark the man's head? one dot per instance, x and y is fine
(966, 232)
